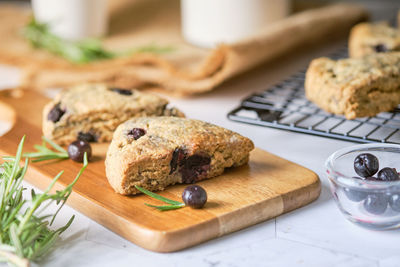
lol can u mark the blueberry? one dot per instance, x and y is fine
(388, 174)
(394, 202)
(376, 203)
(121, 91)
(194, 196)
(77, 149)
(194, 167)
(380, 48)
(190, 167)
(355, 195)
(88, 137)
(366, 165)
(55, 113)
(136, 133)
(177, 156)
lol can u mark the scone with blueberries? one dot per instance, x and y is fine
(91, 112)
(155, 152)
(371, 38)
(355, 87)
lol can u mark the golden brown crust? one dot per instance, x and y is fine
(355, 87)
(98, 110)
(370, 38)
(166, 153)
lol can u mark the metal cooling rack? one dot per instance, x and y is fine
(284, 106)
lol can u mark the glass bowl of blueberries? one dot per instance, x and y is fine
(365, 184)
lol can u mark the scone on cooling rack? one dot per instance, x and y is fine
(355, 87)
(371, 38)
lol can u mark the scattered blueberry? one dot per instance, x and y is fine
(177, 156)
(55, 113)
(394, 202)
(121, 91)
(376, 203)
(388, 174)
(136, 133)
(194, 167)
(88, 137)
(355, 195)
(366, 165)
(194, 196)
(380, 48)
(77, 149)
(190, 167)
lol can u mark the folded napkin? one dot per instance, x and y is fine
(187, 69)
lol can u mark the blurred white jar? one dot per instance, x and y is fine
(73, 19)
(209, 22)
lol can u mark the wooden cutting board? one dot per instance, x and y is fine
(265, 188)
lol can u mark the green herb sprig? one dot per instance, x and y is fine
(24, 230)
(173, 204)
(84, 51)
(44, 153)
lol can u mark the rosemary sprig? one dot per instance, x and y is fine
(166, 207)
(44, 153)
(84, 51)
(173, 204)
(24, 232)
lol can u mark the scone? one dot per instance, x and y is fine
(355, 87)
(369, 38)
(398, 19)
(92, 112)
(155, 152)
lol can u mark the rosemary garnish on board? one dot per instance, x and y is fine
(44, 153)
(84, 51)
(24, 229)
(173, 205)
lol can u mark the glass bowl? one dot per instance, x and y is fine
(371, 204)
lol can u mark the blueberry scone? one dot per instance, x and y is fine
(91, 112)
(155, 152)
(357, 87)
(369, 38)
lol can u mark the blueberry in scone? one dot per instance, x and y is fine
(370, 38)
(155, 152)
(91, 112)
(355, 87)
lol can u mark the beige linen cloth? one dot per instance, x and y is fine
(187, 69)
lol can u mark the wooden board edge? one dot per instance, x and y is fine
(171, 241)
(309, 194)
(235, 221)
(157, 241)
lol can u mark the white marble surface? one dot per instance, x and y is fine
(315, 235)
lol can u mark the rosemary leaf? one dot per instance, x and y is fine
(54, 145)
(15, 240)
(166, 207)
(157, 196)
(44, 153)
(24, 233)
(84, 51)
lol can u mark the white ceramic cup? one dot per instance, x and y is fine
(209, 22)
(73, 19)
